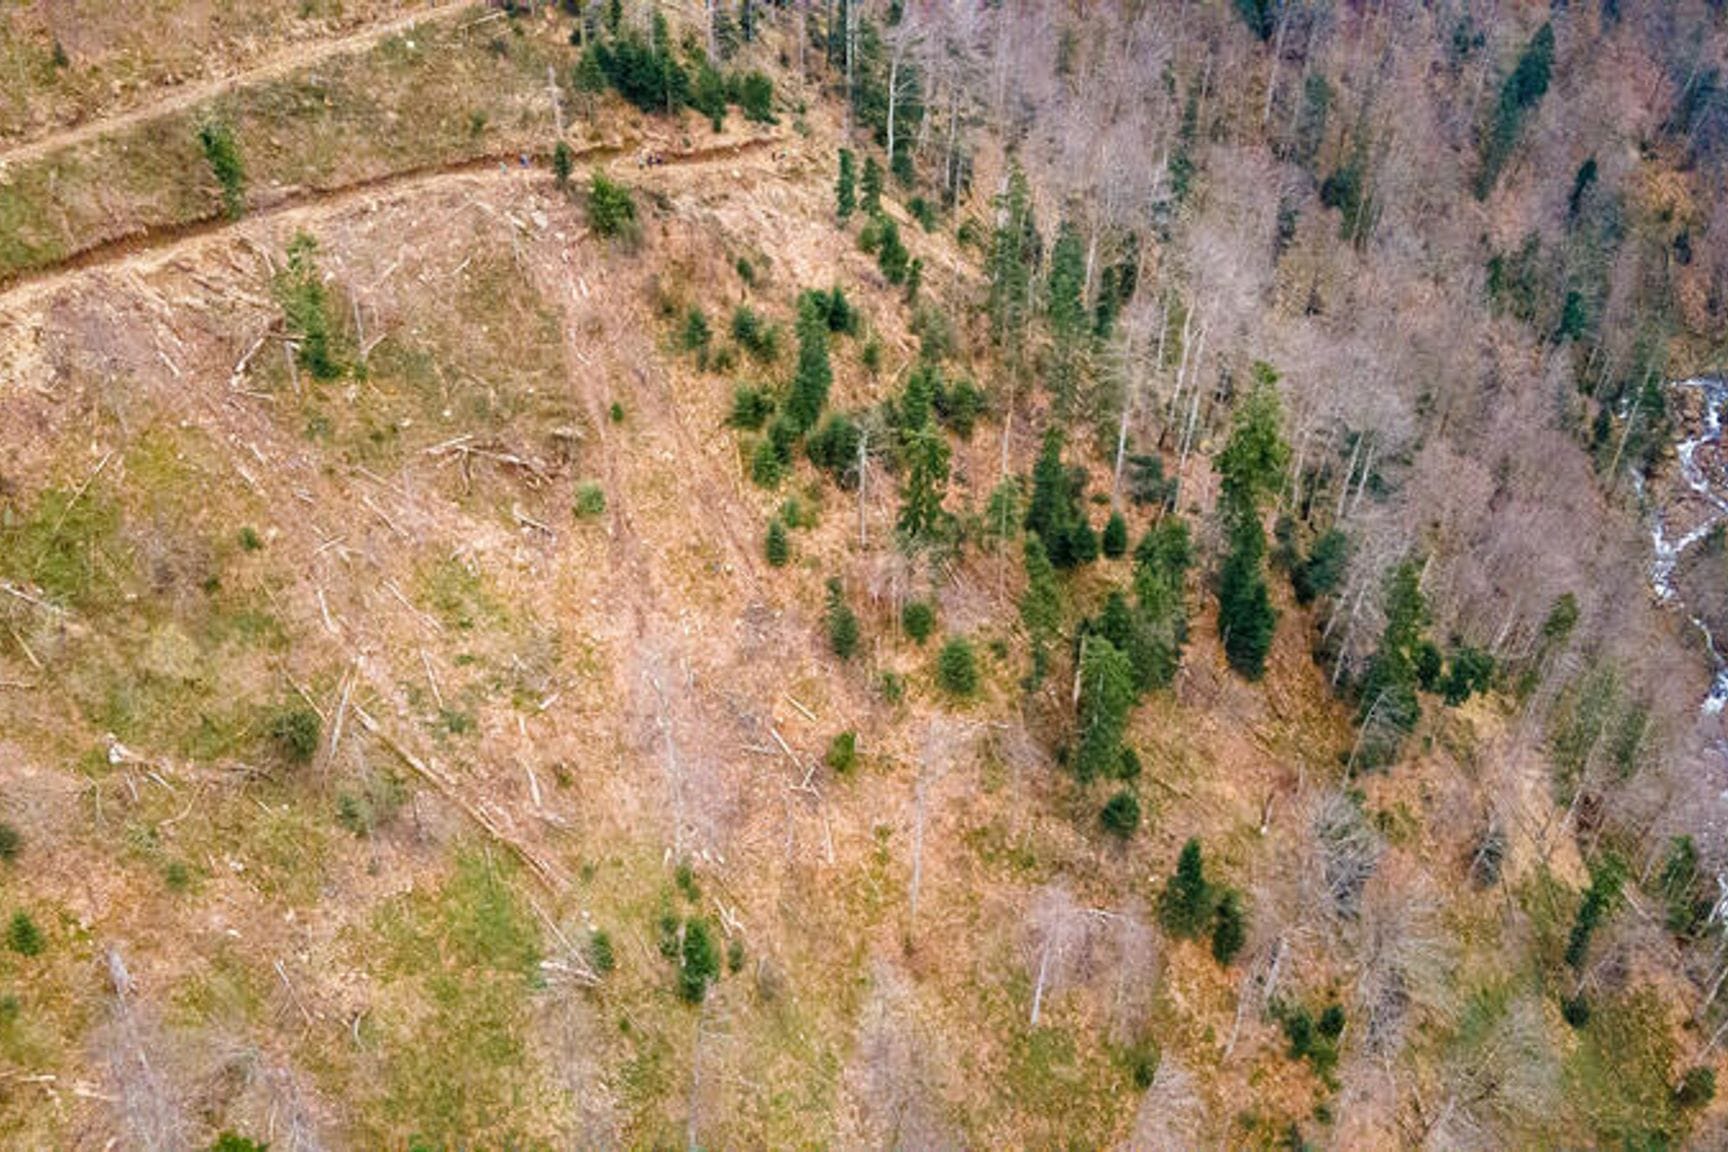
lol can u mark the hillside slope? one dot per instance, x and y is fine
(410, 737)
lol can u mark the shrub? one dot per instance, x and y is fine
(957, 668)
(1229, 932)
(893, 687)
(766, 466)
(842, 623)
(10, 842)
(708, 96)
(1575, 1010)
(833, 447)
(1697, 1088)
(250, 541)
(1322, 571)
(1331, 1022)
(696, 336)
(918, 618)
(775, 547)
(751, 407)
(305, 309)
(891, 255)
(22, 935)
(590, 500)
(1121, 814)
(959, 405)
(611, 208)
(834, 309)
(223, 157)
(755, 335)
(600, 954)
(1115, 542)
(561, 164)
(756, 97)
(699, 963)
(1471, 670)
(685, 877)
(924, 212)
(1146, 481)
(295, 731)
(1606, 880)
(842, 753)
(234, 1142)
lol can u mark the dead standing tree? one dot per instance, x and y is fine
(1056, 933)
(146, 1105)
(945, 740)
(1171, 1114)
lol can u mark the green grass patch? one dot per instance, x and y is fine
(461, 965)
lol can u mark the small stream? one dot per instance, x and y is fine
(1709, 505)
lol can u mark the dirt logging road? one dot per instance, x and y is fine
(274, 68)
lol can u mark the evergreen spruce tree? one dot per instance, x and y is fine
(1185, 907)
(1253, 461)
(842, 622)
(1132, 634)
(1040, 606)
(1121, 814)
(1066, 311)
(1521, 92)
(1390, 708)
(776, 547)
(1322, 571)
(845, 188)
(1106, 697)
(921, 513)
(562, 159)
(1055, 511)
(1115, 542)
(1013, 258)
(1246, 618)
(1607, 877)
(814, 374)
(1251, 466)
(872, 187)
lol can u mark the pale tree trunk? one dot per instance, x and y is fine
(1349, 475)
(863, 470)
(893, 94)
(690, 1141)
(1362, 484)
(1038, 988)
(851, 32)
(1131, 387)
(1182, 365)
(1277, 57)
(949, 166)
(1194, 402)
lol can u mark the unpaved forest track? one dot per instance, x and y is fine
(149, 245)
(272, 69)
